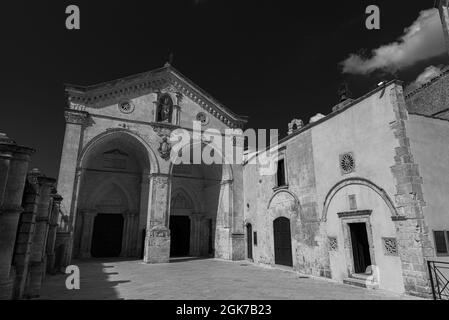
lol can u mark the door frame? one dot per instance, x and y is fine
(356, 217)
(291, 242)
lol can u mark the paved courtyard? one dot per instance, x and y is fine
(193, 279)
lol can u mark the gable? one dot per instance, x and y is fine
(143, 89)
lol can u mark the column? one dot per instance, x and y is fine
(144, 209)
(223, 244)
(196, 226)
(238, 244)
(38, 256)
(86, 233)
(157, 242)
(26, 232)
(13, 168)
(129, 243)
(51, 239)
(71, 149)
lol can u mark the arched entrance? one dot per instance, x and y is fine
(111, 205)
(282, 242)
(249, 241)
(203, 193)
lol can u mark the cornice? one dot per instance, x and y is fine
(76, 116)
(165, 79)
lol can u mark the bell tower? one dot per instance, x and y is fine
(443, 7)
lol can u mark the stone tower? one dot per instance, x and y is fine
(443, 7)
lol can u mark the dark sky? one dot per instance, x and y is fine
(270, 60)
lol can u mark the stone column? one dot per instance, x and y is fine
(176, 115)
(157, 242)
(26, 232)
(86, 233)
(51, 239)
(129, 243)
(13, 168)
(196, 226)
(238, 243)
(223, 230)
(38, 258)
(144, 209)
(67, 181)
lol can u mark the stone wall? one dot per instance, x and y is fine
(372, 131)
(29, 215)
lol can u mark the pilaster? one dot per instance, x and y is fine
(157, 242)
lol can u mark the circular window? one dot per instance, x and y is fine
(347, 163)
(202, 117)
(126, 107)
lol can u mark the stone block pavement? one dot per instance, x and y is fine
(199, 279)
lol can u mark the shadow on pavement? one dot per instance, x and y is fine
(95, 282)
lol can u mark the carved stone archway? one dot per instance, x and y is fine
(357, 181)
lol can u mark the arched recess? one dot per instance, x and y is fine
(113, 166)
(214, 220)
(188, 196)
(357, 181)
(110, 188)
(150, 163)
(296, 207)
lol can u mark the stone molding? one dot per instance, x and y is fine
(357, 213)
(76, 117)
(357, 181)
(163, 79)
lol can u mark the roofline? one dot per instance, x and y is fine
(429, 83)
(206, 94)
(331, 115)
(80, 89)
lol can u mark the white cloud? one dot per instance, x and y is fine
(423, 40)
(428, 74)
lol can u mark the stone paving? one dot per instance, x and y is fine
(199, 279)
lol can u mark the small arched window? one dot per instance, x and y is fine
(164, 109)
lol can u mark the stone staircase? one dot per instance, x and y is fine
(361, 280)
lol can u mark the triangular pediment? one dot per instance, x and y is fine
(162, 79)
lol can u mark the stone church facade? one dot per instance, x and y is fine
(359, 194)
(357, 197)
(116, 172)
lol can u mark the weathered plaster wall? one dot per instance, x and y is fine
(429, 144)
(380, 224)
(312, 159)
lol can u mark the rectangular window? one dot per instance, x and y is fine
(440, 242)
(255, 238)
(352, 202)
(281, 181)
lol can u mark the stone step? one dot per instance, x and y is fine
(361, 276)
(362, 283)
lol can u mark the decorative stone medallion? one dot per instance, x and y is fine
(347, 163)
(126, 107)
(202, 117)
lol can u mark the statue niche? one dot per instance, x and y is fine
(164, 109)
